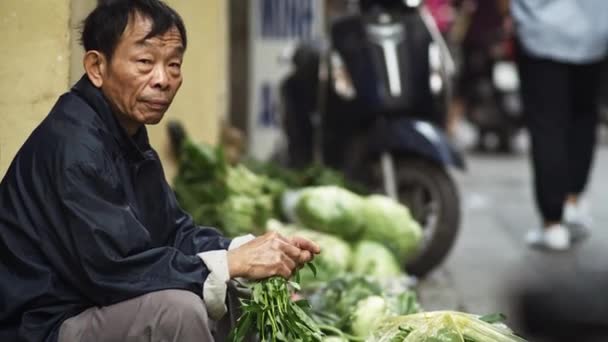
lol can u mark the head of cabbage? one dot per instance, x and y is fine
(368, 315)
(390, 223)
(332, 210)
(371, 258)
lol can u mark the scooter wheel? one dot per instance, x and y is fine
(430, 193)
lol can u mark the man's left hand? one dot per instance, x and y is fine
(308, 249)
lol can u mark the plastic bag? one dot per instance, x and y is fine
(442, 326)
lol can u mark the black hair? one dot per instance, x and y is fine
(103, 27)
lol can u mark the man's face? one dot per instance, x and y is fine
(144, 74)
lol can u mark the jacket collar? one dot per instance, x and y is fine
(134, 147)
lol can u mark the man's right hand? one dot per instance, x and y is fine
(269, 255)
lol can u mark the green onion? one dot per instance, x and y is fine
(274, 316)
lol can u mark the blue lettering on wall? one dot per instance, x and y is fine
(268, 116)
(287, 18)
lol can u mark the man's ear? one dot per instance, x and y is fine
(95, 65)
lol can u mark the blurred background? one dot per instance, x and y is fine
(422, 104)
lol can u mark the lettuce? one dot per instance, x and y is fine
(332, 210)
(389, 222)
(373, 259)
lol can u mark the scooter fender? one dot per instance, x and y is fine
(408, 136)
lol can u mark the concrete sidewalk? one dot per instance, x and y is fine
(490, 259)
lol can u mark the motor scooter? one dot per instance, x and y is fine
(372, 104)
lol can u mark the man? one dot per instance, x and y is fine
(562, 44)
(93, 245)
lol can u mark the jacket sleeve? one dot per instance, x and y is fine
(190, 238)
(104, 251)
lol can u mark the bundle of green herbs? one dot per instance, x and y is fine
(274, 316)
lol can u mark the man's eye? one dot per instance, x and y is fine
(175, 65)
(145, 61)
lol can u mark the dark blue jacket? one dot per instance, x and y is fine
(87, 219)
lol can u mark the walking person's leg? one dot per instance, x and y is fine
(546, 99)
(170, 315)
(582, 138)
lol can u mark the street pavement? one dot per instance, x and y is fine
(490, 260)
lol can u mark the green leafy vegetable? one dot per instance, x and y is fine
(368, 314)
(313, 175)
(341, 304)
(233, 199)
(332, 210)
(373, 259)
(274, 316)
(389, 222)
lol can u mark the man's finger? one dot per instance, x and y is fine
(289, 262)
(289, 249)
(305, 256)
(305, 244)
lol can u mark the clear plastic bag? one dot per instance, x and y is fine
(442, 326)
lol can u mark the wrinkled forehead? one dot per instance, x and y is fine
(139, 27)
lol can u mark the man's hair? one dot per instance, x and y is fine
(102, 29)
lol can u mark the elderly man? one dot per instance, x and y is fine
(93, 245)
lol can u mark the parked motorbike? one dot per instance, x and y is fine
(373, 105)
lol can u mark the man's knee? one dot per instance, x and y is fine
(178, 303)
(177, 310)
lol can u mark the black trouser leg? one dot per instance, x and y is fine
(546, 98)
(583, 124)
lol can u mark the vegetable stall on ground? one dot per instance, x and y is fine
(356, 289)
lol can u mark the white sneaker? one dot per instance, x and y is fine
(555, 237)
(578, 220)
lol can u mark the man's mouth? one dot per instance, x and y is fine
(157, 104)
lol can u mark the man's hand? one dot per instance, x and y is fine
(270, 255)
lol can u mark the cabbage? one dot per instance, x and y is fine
(332, 262)
(373, 259)
(368, 315)
(390, 223)
(332, 210)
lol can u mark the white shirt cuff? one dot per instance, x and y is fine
(214, 289)
(239, 241)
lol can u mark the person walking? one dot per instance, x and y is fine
(561, 46)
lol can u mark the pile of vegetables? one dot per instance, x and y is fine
(364, 240)
(355, 308)
(313, 175)
(231, 198)
(340, 258)
(378, 218)
(238, 202)
(355, 305)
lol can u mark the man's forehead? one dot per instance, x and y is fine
(139, 26)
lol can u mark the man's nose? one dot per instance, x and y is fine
(160, 77)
